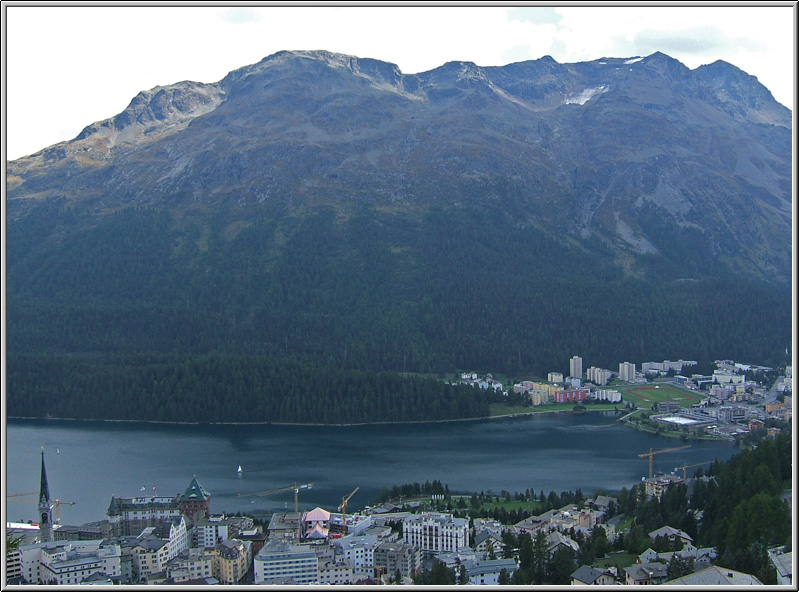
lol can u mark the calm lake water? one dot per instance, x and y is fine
(88, 462)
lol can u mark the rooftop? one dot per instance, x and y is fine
(717, 576)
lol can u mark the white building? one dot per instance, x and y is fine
(599, 376)
(358, 551)
(576, 367)
(191, 564)
(609, 395)
(435, 532)
(282, 561)
(555, 377)
(487, 572)
(627, 372)
(69, 562)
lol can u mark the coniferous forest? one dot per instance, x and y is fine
(317, 316)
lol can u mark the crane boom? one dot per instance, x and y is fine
(294, 487)
(652, 453)
(707, 462)
(57, 503)
(343, 509)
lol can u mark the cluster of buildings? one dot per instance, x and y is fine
(149, 539)
(572, 388)
(727, 411)
(176, 540)
(734, 406)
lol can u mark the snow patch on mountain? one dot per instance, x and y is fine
(632, 61)
(585, 95)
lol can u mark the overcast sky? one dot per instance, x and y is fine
(69, 66)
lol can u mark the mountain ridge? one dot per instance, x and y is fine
(332, 208)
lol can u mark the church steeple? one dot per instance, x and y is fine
(45, 507)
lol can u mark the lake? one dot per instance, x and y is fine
(88, 462)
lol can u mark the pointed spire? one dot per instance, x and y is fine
(44, 488)
(45, 507)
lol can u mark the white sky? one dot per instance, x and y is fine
(69, 66)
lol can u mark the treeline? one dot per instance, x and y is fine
(429, 291)
(420, 291)
(226, 388)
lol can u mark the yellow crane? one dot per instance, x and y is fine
(56, 502)
(295, 487)
(343, 509)
(652, 453)
(682, 468)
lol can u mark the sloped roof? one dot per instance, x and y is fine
(668, 531)
(555, 538)
(195, 492)
(483, 535)
(587, 574)
(645, 571)
(717, 576)
(317, 532)
(317, 515)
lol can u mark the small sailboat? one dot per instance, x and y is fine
(58, 451)
(239, 469)
(143, 488)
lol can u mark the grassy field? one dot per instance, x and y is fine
(621, 560)
(533, 507)
(500, 409)
(646, 395)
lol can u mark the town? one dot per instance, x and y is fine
(724, 404)
(430, 537)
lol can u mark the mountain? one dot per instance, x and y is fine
(332, 209)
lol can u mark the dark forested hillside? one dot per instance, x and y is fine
(332, 212)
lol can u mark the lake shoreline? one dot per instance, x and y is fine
(297, 424)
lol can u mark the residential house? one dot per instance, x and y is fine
(657, 486)
(783, 563)
(716, 576)
(642, 574)
(585, 575)
(487, 572)
(487, 541)
(555, 539)
(232, 560)
(671, 534)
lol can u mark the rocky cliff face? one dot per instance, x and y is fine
(642, 154)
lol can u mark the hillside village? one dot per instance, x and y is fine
(728, 405)
(177, 540)
(429, 538)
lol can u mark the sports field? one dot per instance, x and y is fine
(645, 395)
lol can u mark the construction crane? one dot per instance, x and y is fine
(682, 468)
(652, 453)
(21, 494)
(343, 509)
(295, 488)
(56, 502)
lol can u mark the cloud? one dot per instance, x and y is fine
(240, 15)
(693, 41)
(538, 15)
